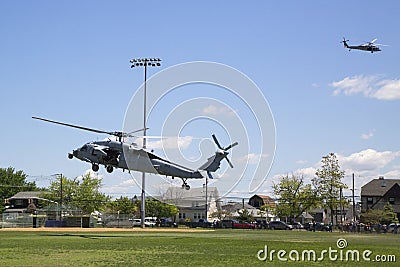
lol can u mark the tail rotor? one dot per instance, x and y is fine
(224, 149)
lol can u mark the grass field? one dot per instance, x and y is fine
(61, 247)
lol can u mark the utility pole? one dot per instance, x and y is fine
(146, 62)
(61, 194)
(354, 202)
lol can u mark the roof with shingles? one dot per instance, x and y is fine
(27, 195)
(378, 187)
(266, 199)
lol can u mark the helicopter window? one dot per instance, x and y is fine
(84, 148)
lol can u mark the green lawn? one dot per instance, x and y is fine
(179, 248)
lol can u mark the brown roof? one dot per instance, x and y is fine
(378, 187)
(267, 200)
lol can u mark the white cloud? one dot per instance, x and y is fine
(368, 135)
(171, 143)
(367, 160)
(369, 86)
(214, 110)
(389, 90)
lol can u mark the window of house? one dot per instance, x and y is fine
(19, 202)
(391, 200)
(369, 200)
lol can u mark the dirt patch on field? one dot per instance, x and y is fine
(133, 230)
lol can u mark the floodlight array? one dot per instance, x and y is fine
(149, 62)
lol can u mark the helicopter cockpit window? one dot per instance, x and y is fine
(84, 148)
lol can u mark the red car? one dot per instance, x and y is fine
(242, 225)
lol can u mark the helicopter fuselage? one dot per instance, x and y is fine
(121, 155)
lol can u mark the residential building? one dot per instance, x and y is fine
(192, 203)
(378, 192)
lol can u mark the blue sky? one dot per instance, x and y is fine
(69, 61)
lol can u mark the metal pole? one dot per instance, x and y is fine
(61, 198)
(153, 62)
(143, 196)
(206, 213)
(354, 203)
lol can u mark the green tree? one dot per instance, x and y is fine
(84, 194)
(244, 215)
(124, 205)
(266, 209)
(295, 196)
(221, 215)
(385, 216)
(156, 208)
(12, 182)
(328, 182)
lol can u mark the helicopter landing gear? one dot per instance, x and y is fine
(95, 167)
(109, 169)
(185, 185)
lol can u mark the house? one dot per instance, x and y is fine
(20, 208)
(378, 192)
(23, 202)
(192, 203)
(259, 200)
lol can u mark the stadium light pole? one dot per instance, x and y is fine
(144, 62)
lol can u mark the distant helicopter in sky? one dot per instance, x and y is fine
(126, 156)
(369, 46)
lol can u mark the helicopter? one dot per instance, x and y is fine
(125, 156)
(369, 46)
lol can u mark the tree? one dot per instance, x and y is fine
(245, 215)
(124, 205)
(294, 195)
(12, 182)
(328, 183)
(84, 194)
(385, 216)
(266, 209)
(221, 215)
(156, 208)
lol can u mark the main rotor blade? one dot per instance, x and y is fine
(216, 142)
(130, 134)
(230, 146)
(74, 126)
(373, 41)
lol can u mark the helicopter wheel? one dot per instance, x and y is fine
(95, 167)
(185, 185)
(110, 169)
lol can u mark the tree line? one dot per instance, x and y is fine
(83, 194)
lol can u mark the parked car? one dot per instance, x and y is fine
(200, 223)
(148, 222)
(167, 222)
(316, 226)
(391, 227)
(297, 225)
(279, 225)
(136, 222)
(242, 225)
